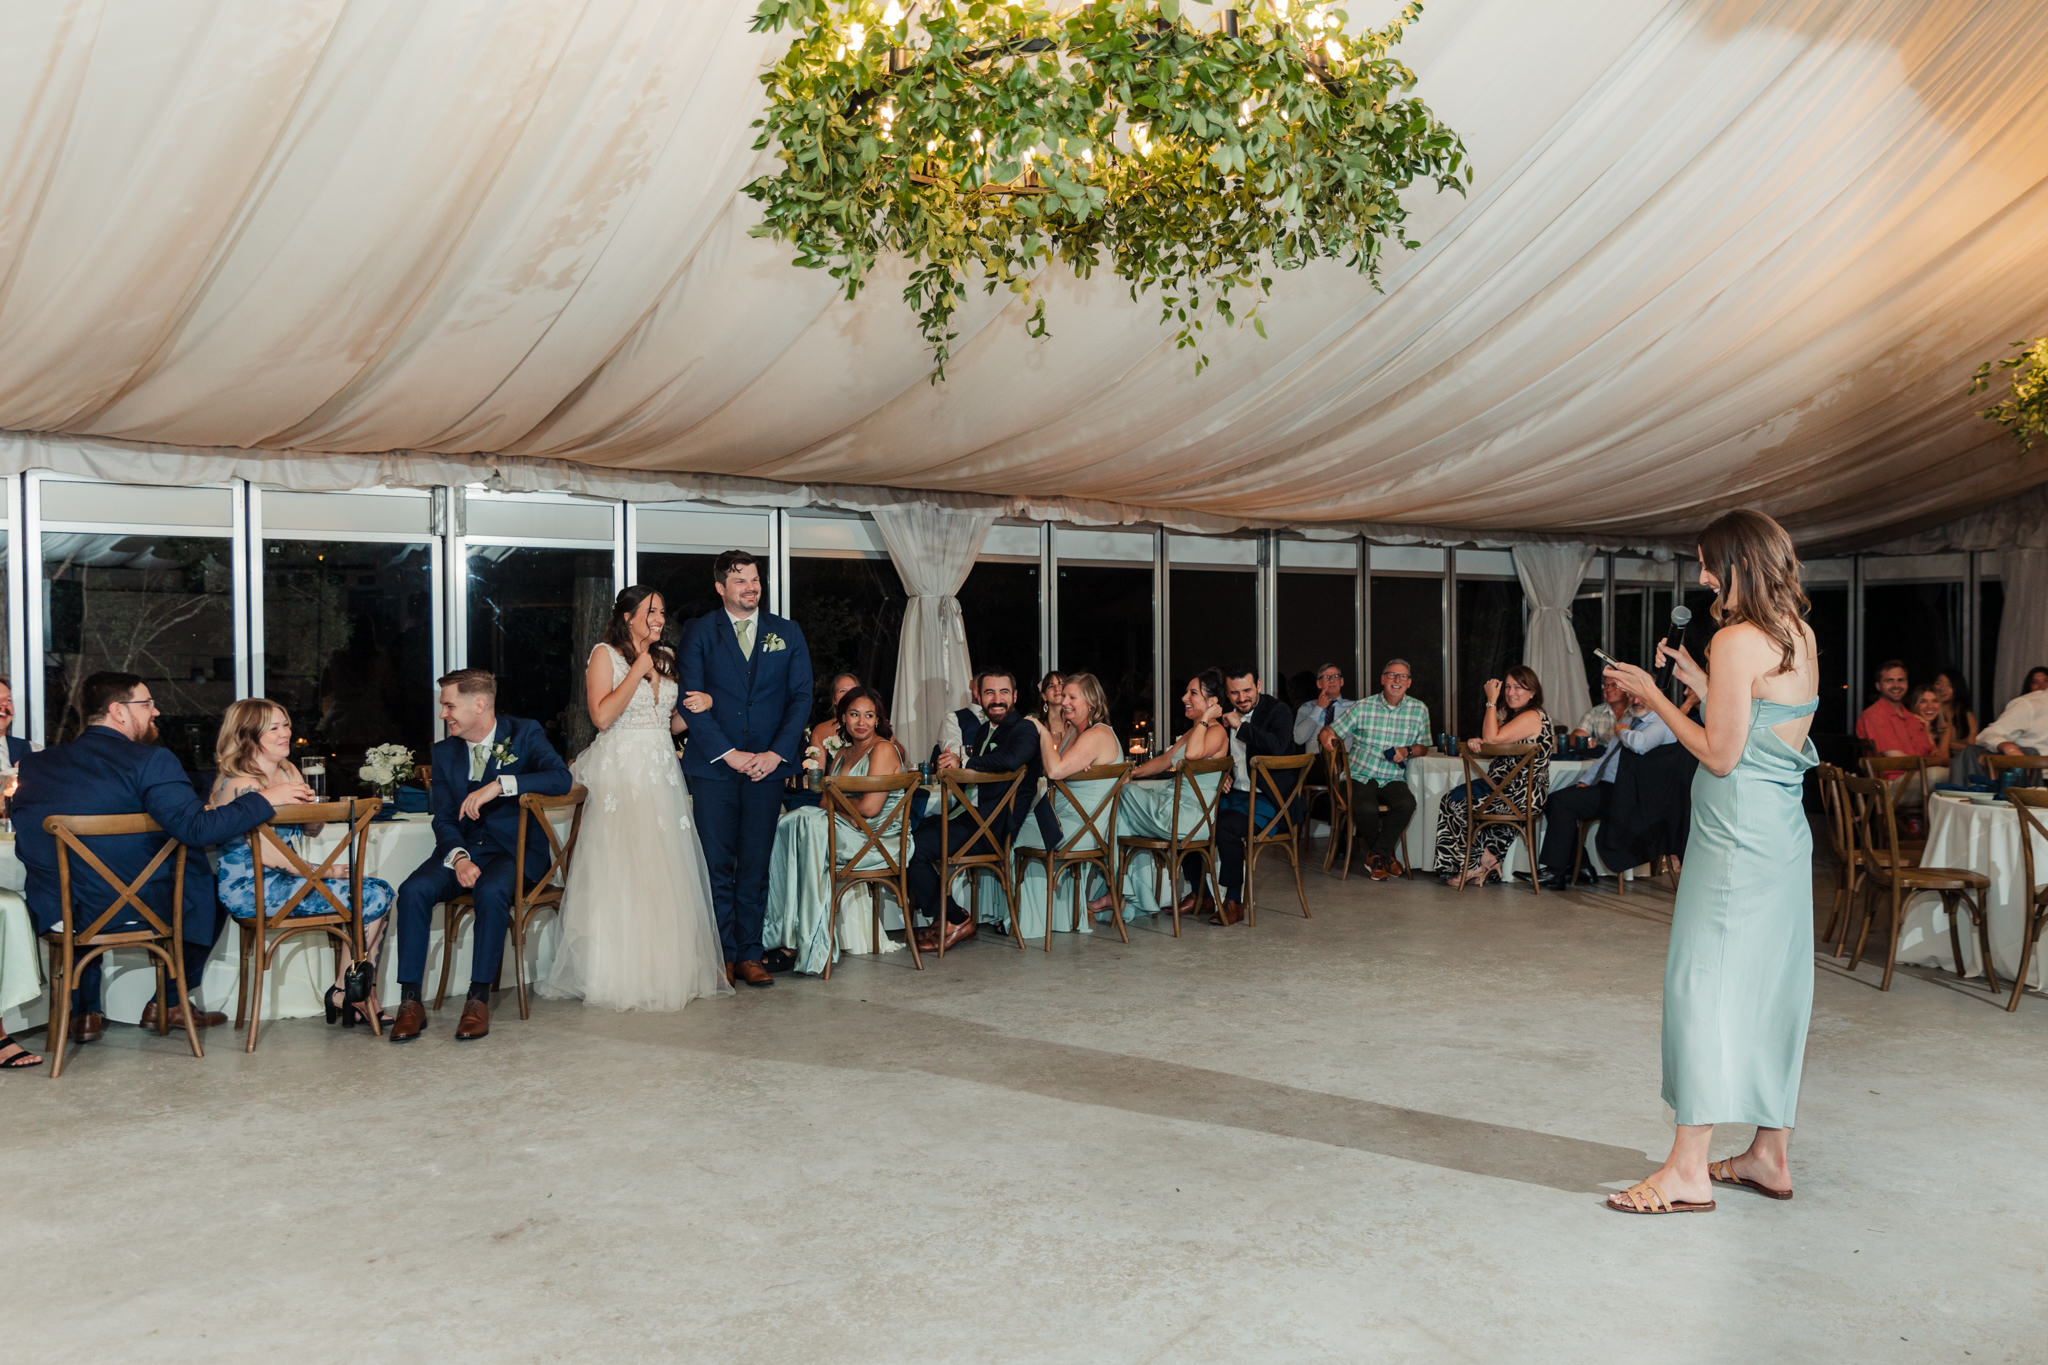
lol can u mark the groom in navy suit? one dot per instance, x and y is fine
(487, 762)
(758, 672)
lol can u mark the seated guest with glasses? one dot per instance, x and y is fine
(2021, 728)
(254, 752)
(115, 768)
(1004, 742)
(1513, 715)
(1321, 711)
(1640, 732)
(1600, 723)
(799, 917)
(1380, 734)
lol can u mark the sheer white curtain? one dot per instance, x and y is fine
(2022, 624)
(933, 548)
(1550, 576)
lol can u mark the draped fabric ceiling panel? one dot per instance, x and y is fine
(1718, 251)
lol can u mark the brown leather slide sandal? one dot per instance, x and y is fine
(1723, 1173)
(1644, 1197)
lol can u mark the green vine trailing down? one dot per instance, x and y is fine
(1192, 162)
(2024, 412)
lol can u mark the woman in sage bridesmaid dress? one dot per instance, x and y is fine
(1088, 742)
(1146, 809)
(1738, 979)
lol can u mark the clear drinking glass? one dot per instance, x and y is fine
(314, 769)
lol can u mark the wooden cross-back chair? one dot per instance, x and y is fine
(339, 917)
(96, 938)
(982, 850)
(1279, 780)
(1910, 778)
(1334, 782)
(530, 895)
(1198, 840)
(1092, 843)
(1996, 766)
(1495, 806)
(886, 834)
(1890, 874)
(2030, 805)
(1849, 868)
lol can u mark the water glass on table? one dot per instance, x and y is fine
(314, 769)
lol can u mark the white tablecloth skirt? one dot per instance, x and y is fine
(1981, 838)
(299, 976)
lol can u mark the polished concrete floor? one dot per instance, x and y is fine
(1381, 1134)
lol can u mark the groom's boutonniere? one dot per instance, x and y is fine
(771, 643)
(501, 753)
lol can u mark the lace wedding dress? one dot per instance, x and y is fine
(638, 931)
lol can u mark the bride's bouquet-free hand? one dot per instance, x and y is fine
(385, 767)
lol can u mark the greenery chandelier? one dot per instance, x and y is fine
(987, 138)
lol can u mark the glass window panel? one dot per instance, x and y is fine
(1988, 687)
(1921, 624)
(1408, 623)
(851, 614)
(999, 606)
(534, 615)
(1318, 624)
(1489, 640)
(1106, 629)
(160, 606)
(1214, 624)
(1829, 617)
(684, 582)
(348, 647)
(1589, 618)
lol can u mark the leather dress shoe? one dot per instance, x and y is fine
(1376, 867)
(412, 1017)
(956, 932)
(1197, 905)
(1394, 867)
(728, 973)
(176, 1019)
(753, 974)
(1231, 913)
(88, 1028)
(475, 1021)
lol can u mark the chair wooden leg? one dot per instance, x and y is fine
(1863, 932)
(174, 961)
(518, 932)
(61, 976)
(1007, 879)
(1891, 949)
(1955, 936)
(909, 932)
(1975, 900)
(831, 935)
(1251, 885)
(1528, 833)
(1407, 864)
(256, 994)
(241, 975)
(1294, 861)
(2035, 921)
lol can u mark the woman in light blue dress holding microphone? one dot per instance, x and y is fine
(1738, 979)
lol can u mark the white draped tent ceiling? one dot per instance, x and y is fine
(1717, 252)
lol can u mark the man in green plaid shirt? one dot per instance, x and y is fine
(1390, 722)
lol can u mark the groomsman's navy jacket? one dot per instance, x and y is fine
(534, 766)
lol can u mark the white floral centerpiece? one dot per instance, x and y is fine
(818, 757)
(385, 766)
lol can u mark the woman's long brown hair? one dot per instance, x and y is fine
(1759, 572)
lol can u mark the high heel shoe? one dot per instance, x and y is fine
(358, 1013)
(337, 1012)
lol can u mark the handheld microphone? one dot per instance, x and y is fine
(1681, 617)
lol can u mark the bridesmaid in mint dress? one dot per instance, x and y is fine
(1146, 809)
(1087, 742)
(799, 882)
(1738, 979)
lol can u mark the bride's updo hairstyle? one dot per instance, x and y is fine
(867, 694)
(618, 632)
(1759, 573)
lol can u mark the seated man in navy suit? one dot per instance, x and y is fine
(487, 761)
(1005, 743)
(114, 768)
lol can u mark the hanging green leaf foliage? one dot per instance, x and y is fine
(2024, 412)
(983, 139)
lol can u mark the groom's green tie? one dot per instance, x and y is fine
(479, 759)
(746, 633)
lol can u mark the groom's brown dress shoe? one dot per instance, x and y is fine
(475, 1021)
(200, 1018)
(87, 1028)
(753, 974)
(412, 1017)
(958, 932)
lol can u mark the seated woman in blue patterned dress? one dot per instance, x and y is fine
(253, 752)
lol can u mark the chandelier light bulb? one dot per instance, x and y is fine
(855, 35)
(1335, 52)
(893, 15)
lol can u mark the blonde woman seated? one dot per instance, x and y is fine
(252, 753)
(1146, 811)
(1927, 705)
(1514, 714)
(799, 918)
(1089, 742)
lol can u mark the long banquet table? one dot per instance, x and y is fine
(1983, 838)
(299, 977)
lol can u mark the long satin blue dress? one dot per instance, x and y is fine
(1738, 981)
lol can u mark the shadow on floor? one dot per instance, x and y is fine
(966, 1051)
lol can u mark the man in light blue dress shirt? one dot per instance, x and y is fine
(1639, 731)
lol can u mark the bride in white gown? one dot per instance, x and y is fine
(638, 930)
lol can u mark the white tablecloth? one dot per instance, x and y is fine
(1981, 838)
(303, 970)
(1434, 775)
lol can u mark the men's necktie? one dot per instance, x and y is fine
(746, 634)
(479, 759)
(1330, 714)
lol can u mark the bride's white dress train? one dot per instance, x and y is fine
(638, 931)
